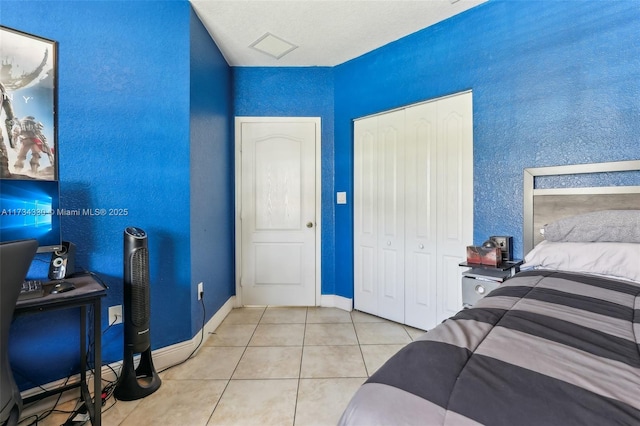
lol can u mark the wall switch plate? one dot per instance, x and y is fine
(115, 314)
(341, 197)
(200, 290)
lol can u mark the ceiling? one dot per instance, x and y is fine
(320, 32)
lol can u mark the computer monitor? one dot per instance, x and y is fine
(29, 187)
(29, 210)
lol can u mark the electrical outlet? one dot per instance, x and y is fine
(115, 314)
(200, 290)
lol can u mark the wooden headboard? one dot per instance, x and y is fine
(543, 206)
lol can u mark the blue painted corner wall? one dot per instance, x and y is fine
(554, 82)
(297, 92)
(211, 176)
(144, 98)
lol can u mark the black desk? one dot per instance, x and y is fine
(88, 292)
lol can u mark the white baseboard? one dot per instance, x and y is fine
(174, 354)
(163, 358)
(333, 301)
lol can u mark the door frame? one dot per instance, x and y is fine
(238, 196)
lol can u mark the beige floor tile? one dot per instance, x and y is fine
(209, 363)
(332, 362)
(191, 403)
(231, 335)
(322, 401)
(376, 355)
(414, 333)
(330, 334)
(278, 315)
(278, 335)
(358, 316)
(269, 363)
(381, 333)
(244, 316)
(256, 402)
(114, 412)
(248, 371)
(327, 315)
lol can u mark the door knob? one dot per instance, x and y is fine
(309, 224)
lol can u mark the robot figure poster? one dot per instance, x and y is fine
(28, 80)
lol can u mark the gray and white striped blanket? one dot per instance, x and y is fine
(545, 348)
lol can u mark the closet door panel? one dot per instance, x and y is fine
(420, 216)
(391, 215)
(450, 289)
(455, 192)
(365, 207)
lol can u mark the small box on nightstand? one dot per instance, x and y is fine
(491, 256)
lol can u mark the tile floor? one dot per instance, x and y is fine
(267, 366)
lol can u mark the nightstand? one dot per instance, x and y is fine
(481, 279)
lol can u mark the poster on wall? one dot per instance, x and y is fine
(28, 80)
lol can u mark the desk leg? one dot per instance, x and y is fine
(83, 344)
(97, 362)
(96, 410)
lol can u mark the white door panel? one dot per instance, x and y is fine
(455, 215)
(278, 180)
(421, 224)
(365, 211)
(391, 215)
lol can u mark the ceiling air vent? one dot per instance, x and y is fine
(273, 46)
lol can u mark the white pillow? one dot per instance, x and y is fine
(620, 260)
(621, 226)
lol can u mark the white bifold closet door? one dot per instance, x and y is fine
(413, 210)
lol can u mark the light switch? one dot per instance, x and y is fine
(341, 197)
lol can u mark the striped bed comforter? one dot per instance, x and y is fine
(545, 348)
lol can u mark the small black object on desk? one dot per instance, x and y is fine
(62, 287)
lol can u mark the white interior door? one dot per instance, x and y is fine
(278, 212)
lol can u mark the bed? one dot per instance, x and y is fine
(557, 344)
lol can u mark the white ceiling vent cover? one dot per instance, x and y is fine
(273, 46)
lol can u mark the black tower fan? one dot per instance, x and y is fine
(136, 383)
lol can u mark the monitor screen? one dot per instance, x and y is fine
(29, 187)
(29, 209)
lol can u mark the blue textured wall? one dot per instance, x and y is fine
(124, 142)
(212, 176)
(553, 83)
(297, 92)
